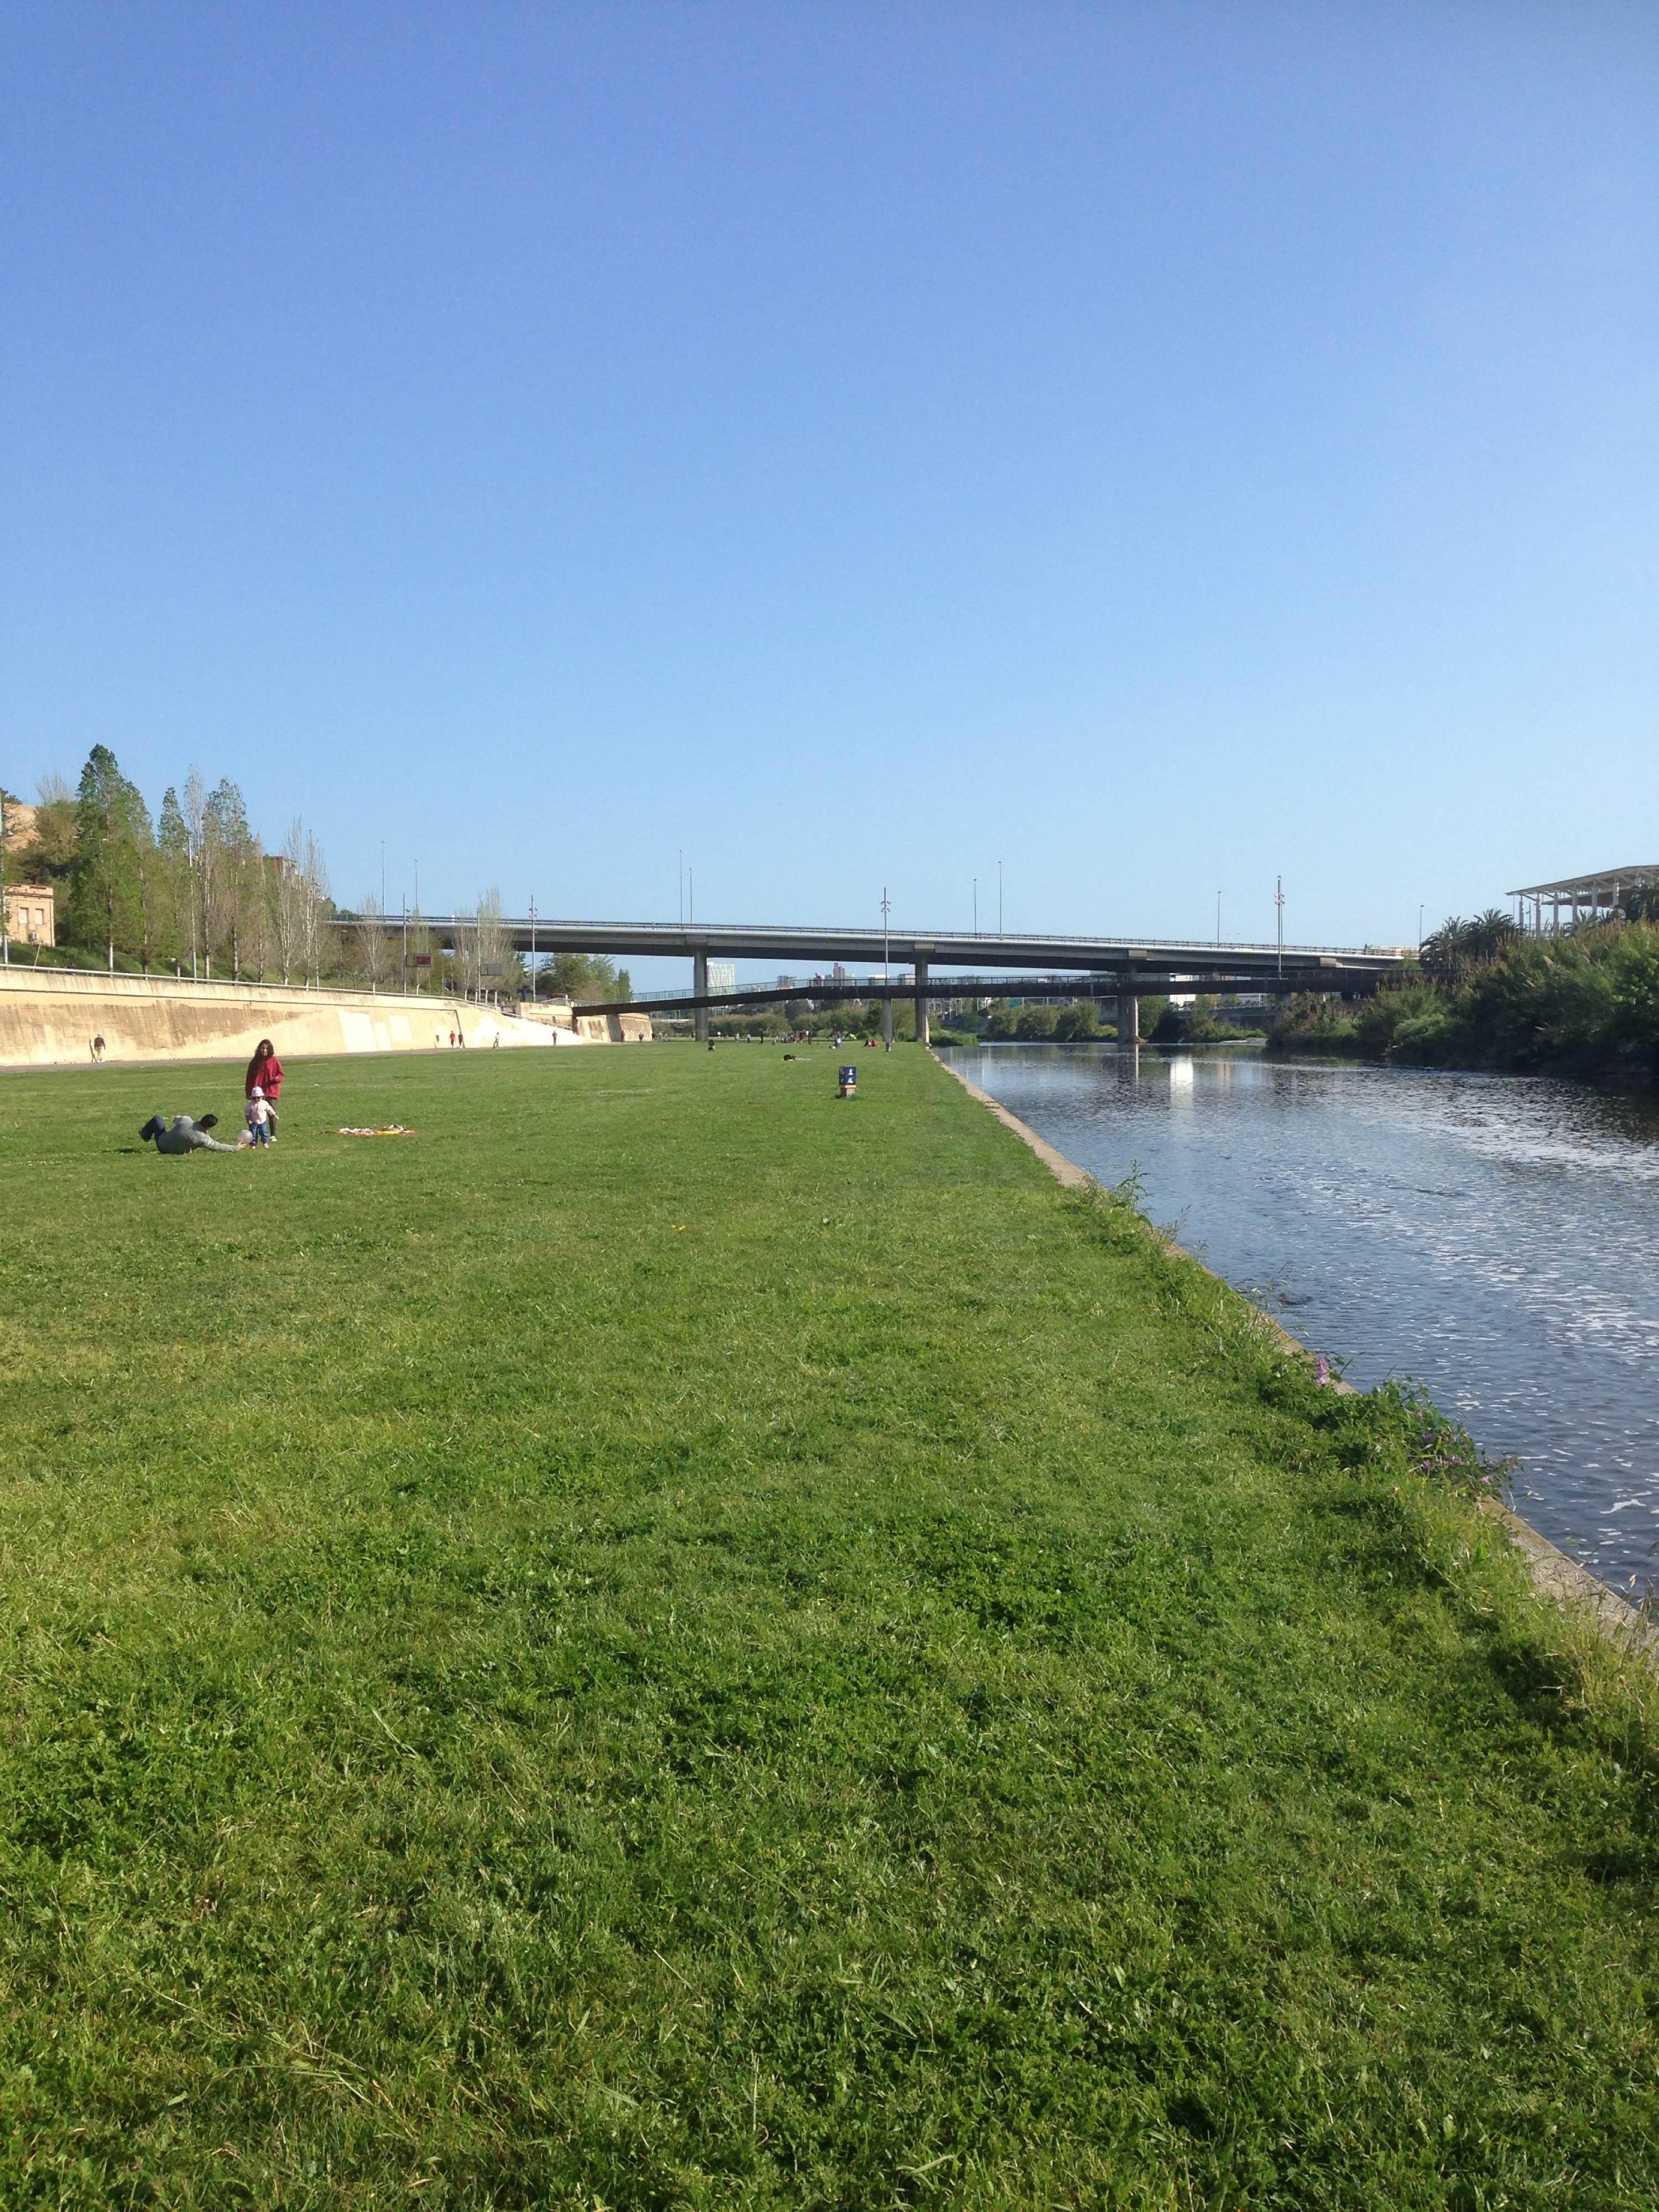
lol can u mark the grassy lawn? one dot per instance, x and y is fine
(675, 1642)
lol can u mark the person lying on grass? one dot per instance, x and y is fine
(185, 1135)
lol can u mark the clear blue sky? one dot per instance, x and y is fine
(1157, 446)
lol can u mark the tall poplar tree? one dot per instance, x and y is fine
(173, 853)
(107, 888)
(150, 917)
(235, 872)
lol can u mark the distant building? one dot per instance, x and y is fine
(30, 913)
(1544, 908)
(786, 982)
(722, 975)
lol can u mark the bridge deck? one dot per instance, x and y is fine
(791, 945)
(1148, 985)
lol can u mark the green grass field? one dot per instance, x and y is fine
(674, 1642)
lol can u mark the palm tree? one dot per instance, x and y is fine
(1458, 947)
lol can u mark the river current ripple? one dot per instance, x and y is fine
(1493, 1238)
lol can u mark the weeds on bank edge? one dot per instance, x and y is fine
(1398, 1423)
(1420, 1471)
(1436, 1448)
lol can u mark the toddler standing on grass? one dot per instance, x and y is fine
(258, 1115)
(264, 1075)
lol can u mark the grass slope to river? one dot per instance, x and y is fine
(671, 1641)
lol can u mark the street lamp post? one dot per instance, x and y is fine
(886, 972)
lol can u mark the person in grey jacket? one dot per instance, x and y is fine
(185, 1135)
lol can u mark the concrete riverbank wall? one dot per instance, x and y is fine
(50, 1016)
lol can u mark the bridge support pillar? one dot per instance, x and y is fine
(1128, 1017)
(700, 989)
(887, 1023)
(921, 1001)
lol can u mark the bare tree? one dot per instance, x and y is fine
(297, 905)
(313, 877)
(150, 867)
(285, 899)
(465, 958)
(422, 944)
(376, 954)
(492, 943)
(232, 854)
(255, 908)
(177, 885)
(202, 871)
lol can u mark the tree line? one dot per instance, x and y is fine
(192, 888)
(1487, 995)
(194, 891)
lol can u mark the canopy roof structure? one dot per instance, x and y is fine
(1600, 889)
(1540, 907)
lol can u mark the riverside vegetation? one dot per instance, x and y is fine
(675, 1641)
(1586, 1003)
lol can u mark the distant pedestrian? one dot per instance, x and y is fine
(97, 1049)
(265, 1074)
(437, 1040)
(451, 1040)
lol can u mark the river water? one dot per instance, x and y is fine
(1493, 1238)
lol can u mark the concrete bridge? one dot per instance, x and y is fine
(1138, 967)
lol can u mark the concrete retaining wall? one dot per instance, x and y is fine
(49, 1017)
(614, 1028)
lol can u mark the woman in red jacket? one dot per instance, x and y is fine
(266, 1070)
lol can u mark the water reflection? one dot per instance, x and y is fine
(1494, 1238)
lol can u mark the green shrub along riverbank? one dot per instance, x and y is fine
(671, 1640)
(962, 1023)
(1583, 1005)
